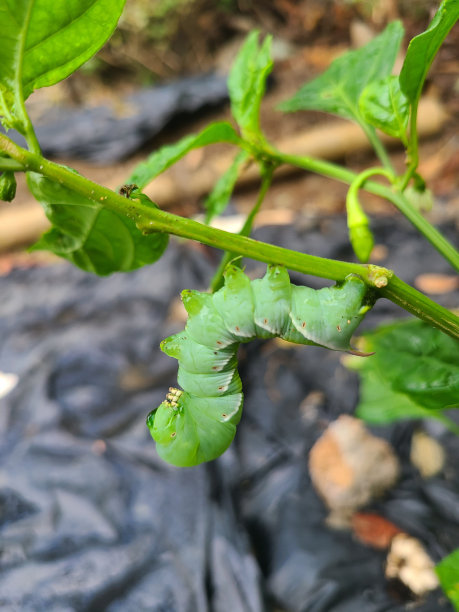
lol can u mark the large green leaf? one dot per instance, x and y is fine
(338, 89)
(160, 160)
(380, 404)
(413, 373)
(383, 105)
(247, 83)
(44, 41)
(219, 197)
(448, 574)
(90, 236)
(423, 48)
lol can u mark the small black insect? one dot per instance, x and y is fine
(126, 190)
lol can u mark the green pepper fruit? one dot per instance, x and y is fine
(362, 241)
(7, 186)
(360, 234)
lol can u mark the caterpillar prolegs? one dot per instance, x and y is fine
(199, 423)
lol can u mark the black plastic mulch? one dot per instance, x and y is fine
(105, 134)
(91, 519)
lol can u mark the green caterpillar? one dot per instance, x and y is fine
(199, 423)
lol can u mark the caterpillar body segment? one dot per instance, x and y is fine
(328, 317)
(234, 303)
(272, 300)
(195, 429)
(199, 423)
(197, 358)
(213, 384)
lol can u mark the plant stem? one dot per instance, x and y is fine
(360, 235)
(362, 178)
(378, 146)
(355, 213)
(438, 241)
(27, 128)
(413, 149)
(436, 238)
(10, 165)
(312, 164)
(421, 306)
(267, 176)
(149, 219)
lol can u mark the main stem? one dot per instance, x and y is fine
(330, 170)
(150, 220)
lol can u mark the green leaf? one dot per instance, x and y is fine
(247, 83)
(338, 89)
(448, 573)
(423, 48)
(413, 373)
(162, 159)
(90, 236)
(379, 404)
(43, 42)
(219, 197)
(383, 105)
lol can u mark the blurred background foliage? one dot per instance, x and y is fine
(159, 39)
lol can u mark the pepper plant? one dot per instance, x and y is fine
(415, 370)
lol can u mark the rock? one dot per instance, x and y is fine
(349, 467)
(374, 530)
(436, 284)
(408, 561)
(426, 454)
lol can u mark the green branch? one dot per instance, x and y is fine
(436, 238)
(150, 220)
(418, 304)
(438, 241)
(10, 165)
(377, 146)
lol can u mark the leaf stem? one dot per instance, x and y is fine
(267, 176)
(413, 147)
(10, 165)
(25, 127)
(378, 146)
